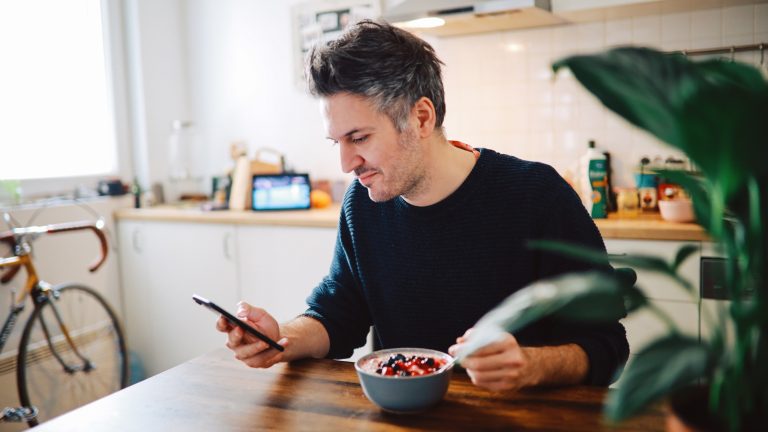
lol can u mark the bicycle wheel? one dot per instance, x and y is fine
(53, 376)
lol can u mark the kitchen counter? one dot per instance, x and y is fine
(323, 218)
(649, 227)
(644, 227)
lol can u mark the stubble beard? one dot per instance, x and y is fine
(407, 176)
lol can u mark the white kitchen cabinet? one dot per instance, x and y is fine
(598, 10)
(654, 285)
(681, 306)
(162, 265)
(279, 266)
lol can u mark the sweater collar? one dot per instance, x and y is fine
(460, 195)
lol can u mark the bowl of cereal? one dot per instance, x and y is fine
(405, 380)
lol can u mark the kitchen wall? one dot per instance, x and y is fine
(242, 85)
(499, 88)
(501, 93)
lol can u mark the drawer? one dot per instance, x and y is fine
(655, 285)
(644, 326)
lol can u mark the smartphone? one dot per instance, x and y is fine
(213, 307)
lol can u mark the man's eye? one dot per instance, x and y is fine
(360, 140)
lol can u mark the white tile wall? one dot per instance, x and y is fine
(501, 93)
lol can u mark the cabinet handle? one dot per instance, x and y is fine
(136, 241)
(619, 255)
(227, 238)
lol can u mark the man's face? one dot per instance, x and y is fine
(386, 162)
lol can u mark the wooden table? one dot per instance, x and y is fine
(214, 392)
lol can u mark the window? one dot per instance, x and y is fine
(56, 110)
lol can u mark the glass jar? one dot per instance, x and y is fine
(182, 143)
(627, 203)
(185, 163)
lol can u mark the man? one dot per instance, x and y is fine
(433, 233)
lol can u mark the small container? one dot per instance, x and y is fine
(627, 203)
(679, 210)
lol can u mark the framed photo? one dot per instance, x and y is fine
(324, 20)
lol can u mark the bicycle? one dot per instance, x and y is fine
(72, 349)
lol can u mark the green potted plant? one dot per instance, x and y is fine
(716, 112)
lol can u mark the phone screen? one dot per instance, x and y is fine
(213, 307)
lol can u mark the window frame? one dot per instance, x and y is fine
(113, 25)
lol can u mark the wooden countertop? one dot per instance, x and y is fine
(644, 227)
(649, 227)
(215, 392)
(324, 218)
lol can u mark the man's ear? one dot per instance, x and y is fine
(424, 112)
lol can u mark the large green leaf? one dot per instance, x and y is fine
(683, 253)
(589, 296)
(613, 306)
(645, 262)
(634, 83)
(711, 110)
(583, 253)
(697, 188)
(667, 364)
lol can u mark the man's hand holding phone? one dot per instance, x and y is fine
(250, 350)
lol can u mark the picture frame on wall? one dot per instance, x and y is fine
(322, 21)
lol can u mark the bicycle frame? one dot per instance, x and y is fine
(19, 239)
(18, 305)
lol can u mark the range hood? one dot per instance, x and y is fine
(468, 16)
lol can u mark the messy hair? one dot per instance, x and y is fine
(387, 65)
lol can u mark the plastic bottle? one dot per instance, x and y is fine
(594, 181)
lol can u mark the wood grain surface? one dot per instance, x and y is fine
(214, 392)
(644, 227)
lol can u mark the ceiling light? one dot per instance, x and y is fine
(422, 23)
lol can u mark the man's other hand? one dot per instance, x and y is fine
(500, 366)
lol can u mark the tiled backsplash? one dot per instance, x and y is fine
(501, 94)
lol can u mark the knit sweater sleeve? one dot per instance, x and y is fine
(566, 220)
(337, 302)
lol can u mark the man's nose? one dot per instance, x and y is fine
(350, 160)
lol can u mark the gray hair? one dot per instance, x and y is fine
(387, 65)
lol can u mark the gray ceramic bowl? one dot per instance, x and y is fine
(403, 394)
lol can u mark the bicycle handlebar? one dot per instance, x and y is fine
(11, 237)
(96, 227)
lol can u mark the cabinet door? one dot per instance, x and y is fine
(279, 266)
(655, 285)
(680, 306)
(164, 264)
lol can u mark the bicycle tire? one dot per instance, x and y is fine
(42, 381)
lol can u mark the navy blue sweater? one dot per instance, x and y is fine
(423, 275)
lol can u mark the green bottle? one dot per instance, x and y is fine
(598, 175)
(136, 191)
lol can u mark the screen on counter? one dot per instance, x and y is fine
(281, 192)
